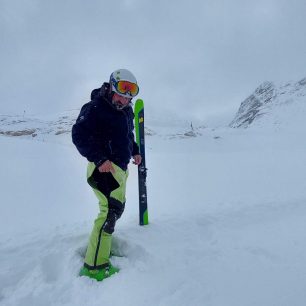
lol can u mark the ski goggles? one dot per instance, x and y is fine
(125, 87)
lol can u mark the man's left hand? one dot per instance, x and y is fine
(137, 159)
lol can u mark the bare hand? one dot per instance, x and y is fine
(137, 159)
(107, 167)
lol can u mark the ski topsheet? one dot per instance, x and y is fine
(142, 170)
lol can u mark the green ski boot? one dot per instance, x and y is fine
(100, 274)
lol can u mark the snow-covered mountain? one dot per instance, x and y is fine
(273, 106)
(270, 106)
(57, 127)
(17, 125)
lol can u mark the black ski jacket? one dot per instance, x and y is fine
(102, 132)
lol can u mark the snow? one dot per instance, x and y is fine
(227, 222)
(274, 106)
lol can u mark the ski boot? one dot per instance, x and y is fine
(99, 274)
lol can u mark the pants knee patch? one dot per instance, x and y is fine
(115, 210)
(104, 182)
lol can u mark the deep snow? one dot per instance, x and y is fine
(227, 223)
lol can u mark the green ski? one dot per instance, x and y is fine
(142, 170)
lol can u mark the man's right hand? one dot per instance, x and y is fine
(107, 167)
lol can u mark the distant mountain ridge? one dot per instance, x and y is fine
(266, 101)
(17, 125)
(58, 127)
(269, 106)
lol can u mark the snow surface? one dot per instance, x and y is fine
(227, 223)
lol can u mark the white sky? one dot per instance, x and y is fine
(193, 58)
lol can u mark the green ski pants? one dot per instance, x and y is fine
(111, 205)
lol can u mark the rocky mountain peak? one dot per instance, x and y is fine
(265, 98)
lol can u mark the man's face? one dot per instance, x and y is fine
(120, 101)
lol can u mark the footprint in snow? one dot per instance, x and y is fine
(51, 267)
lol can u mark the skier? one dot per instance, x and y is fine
(103, 133)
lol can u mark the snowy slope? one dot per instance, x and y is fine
(274, 106)
(51, 128)
(227, 222)
(56, 128)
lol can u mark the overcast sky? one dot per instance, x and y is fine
(194, 58)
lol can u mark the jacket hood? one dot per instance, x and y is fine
(103, 91)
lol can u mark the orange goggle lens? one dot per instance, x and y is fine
(125, 87)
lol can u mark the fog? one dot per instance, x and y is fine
(193, 59)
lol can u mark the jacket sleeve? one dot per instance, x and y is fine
(84, 135)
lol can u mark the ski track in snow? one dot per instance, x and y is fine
(227, 225)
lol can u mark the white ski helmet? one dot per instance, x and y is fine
(124, 83)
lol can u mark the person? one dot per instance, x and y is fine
(103, 133)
